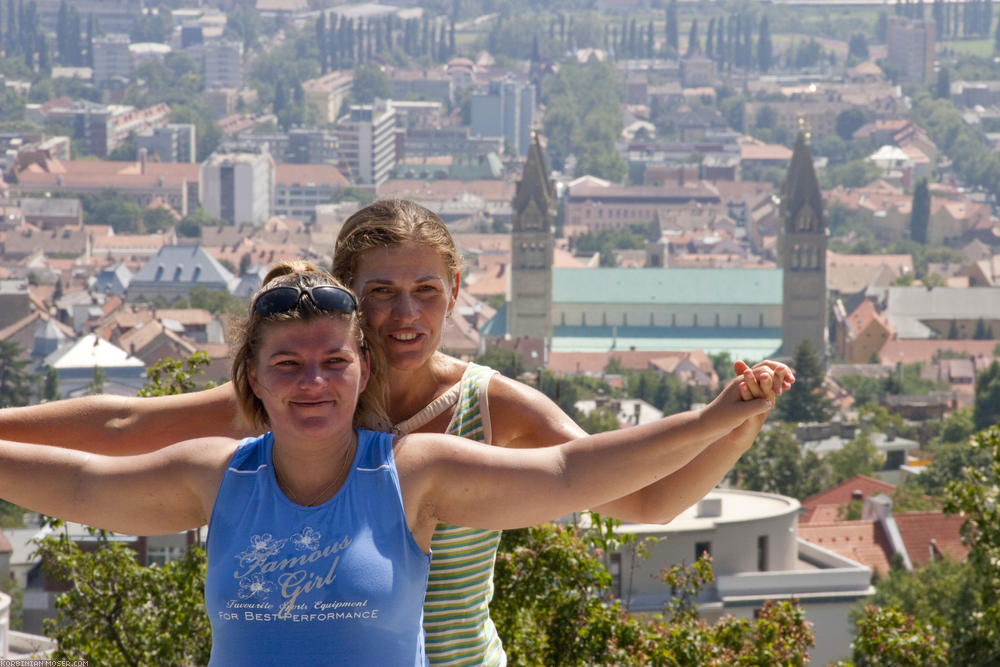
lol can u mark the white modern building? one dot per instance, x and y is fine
(756, 556)
(368, 142)
(112, 59)
(222, 62)
(236, 184)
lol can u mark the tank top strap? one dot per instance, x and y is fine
(430, 411)
(475, 378)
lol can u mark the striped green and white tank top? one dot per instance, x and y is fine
(457, 621)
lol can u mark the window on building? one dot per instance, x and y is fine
(615, 570)
(702, 548)
(162, 555)
(762, 564)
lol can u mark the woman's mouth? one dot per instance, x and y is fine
(404, 337)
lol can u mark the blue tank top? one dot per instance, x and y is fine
(341, 583)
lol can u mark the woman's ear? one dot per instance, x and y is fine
(453, 297)
(252, 379)
(366, 368)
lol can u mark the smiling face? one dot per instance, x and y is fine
(405, 292)
(308, 375)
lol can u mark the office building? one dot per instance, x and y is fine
(237, 184)
(911, 47)
(112, 59)
(368, 142)
(174, 142)
(505, 110)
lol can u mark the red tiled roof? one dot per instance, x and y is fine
(489, 190)
(96, 173)
(843, 492)
(918, 529)
(861, 541)
(914, 350)
(301, 174)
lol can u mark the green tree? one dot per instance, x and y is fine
(890, 638)
(96, 384)
(777, 463)
(857, 46)
(216, 301)
(370, 82)
(806, 400)
(552, 607)
(16, 381)
(920, 212)
(976, 639)
(50, 386)
(857, 457)
(671, 26)
(986, 407)
(507, 361)
(942, 88)
(176, 376)
(848, 121)
(105, 617)
(764, 49)
(111, 207)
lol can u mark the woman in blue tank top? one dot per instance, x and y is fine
(320, 530)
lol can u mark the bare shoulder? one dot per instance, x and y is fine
(522, 416)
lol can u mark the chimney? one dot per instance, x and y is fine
(142, 160)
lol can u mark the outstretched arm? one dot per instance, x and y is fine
(120, 425)
(530, 419)
(451, 480)
(166, 491)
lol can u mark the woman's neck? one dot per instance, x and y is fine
(312, 474)
(411, 390)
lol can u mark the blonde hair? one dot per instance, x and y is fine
(248, 331)
(391, 222)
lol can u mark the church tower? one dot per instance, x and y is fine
(529, 312)
(803, 255)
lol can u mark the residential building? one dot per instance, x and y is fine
(911, 47)
(697, 70)
(222, 63)
(174, 142)
(441, 139)
(142, 182)
(593, 204)
(176, 270)
(757, 555)
(101, 127)
(237, 184)
(310, 146)
(326, 94)
(76, 361)
(52, 213)
(300, 188)
(368, 142)
(423, 84)
(114, 16)
(505, 110)
(112, 59)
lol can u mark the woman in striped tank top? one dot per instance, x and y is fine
(402, 262)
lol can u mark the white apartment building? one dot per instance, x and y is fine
(112, 58)
(222, 63)
(237, 185)
(368, 142)
(756, 556)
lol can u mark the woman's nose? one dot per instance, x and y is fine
(404, 307)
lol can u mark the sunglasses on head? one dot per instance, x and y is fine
(283, 298)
